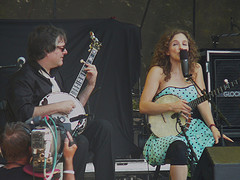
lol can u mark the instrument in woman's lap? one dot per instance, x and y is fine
(163, 125)
(77, 117)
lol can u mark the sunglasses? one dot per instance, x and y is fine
(62, 48)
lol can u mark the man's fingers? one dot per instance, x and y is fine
(70, 138)
(66, 141)
(71, 143)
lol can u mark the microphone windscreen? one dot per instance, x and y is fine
(184, 62)
(183, 54)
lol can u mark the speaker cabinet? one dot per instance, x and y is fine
(219, 163)
(219, 66)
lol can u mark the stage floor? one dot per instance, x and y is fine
(127, 169)
(131, 169)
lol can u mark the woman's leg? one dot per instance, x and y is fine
(178, 172)
(177, 156)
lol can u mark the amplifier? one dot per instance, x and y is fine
(220, 66)
(218, 163)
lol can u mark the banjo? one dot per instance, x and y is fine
(77, 117)
(163, 125)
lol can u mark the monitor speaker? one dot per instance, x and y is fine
(222, 66)
(218, 163)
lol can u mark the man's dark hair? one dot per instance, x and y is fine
(43, 40)
(15, 141)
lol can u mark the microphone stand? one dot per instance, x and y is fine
(222, 117)
(193, 156)
(20, 62)
(8, 66)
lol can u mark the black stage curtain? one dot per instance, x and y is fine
(118, 64)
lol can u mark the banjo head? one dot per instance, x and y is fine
(162, 124)
(59, 97)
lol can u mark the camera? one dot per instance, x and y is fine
(42, 144)
(47, 141)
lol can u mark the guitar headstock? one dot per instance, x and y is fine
(229, 85)
(95, 42)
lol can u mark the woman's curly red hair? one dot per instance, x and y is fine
(160, 57)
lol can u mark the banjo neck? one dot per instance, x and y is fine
(94, 47)
(212, 94)
(82, 74)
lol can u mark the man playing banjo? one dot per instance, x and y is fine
(39, 77)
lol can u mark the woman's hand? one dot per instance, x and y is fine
(181, 107)
(217, 135)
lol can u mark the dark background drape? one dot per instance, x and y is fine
(118, 64)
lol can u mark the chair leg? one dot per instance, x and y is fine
(156, 173)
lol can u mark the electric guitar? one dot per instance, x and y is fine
(76, 117)
(163, 125)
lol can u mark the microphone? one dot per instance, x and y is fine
(176, 115)
(184, 62)
(21, 61)
(35, 121)
(80, 117)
